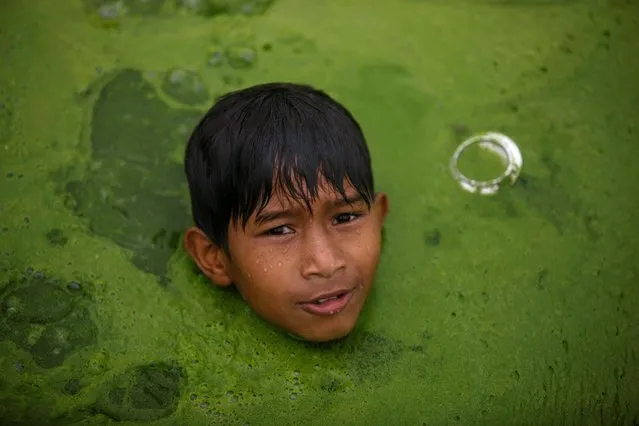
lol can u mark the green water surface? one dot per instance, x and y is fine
(515, 309)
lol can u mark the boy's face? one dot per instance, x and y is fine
(308, 273)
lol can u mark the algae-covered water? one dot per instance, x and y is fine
(515, 309)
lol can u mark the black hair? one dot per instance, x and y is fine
(276, 133)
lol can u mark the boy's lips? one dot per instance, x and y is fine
(329, 303)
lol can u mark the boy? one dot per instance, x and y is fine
(284, 205)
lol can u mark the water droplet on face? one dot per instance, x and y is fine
(279, 264)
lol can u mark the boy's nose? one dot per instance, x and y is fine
(321, 258)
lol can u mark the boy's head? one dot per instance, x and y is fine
(285, 209)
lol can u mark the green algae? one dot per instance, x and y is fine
(43, 318)
(518, 308)
(144, 392)
(134, 196)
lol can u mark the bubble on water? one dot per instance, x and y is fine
(216, 56)
(241, 56)
(111, 11)
(186, 86)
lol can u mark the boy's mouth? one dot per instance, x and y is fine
(329, 303)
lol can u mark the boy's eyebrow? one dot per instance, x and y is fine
(349, 200)
(271, 215)
(268, 216)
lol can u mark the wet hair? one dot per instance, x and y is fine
(266, 138)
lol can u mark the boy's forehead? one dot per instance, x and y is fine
(325, 193)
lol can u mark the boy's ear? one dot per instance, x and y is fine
(381, 205)
(210, 258)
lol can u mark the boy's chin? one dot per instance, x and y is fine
(317, 336)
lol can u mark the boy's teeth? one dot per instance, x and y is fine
(318, 301)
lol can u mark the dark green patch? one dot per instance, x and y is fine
(332, 385)
(143, 393)
(541, 278)
(57, 238)
(366, 356)
(433, 238)
(546, 197)
(132, 192)
(27, 408)
(225, 7)
(72, 387)
(418, 348)
(44, 320)
(6, 119)
(59, 340)
(460, 132)
(39, 301)
(593, 226)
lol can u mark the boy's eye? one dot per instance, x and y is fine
(280, 230)
(345, 218)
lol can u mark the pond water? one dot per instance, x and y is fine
(520, 308)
